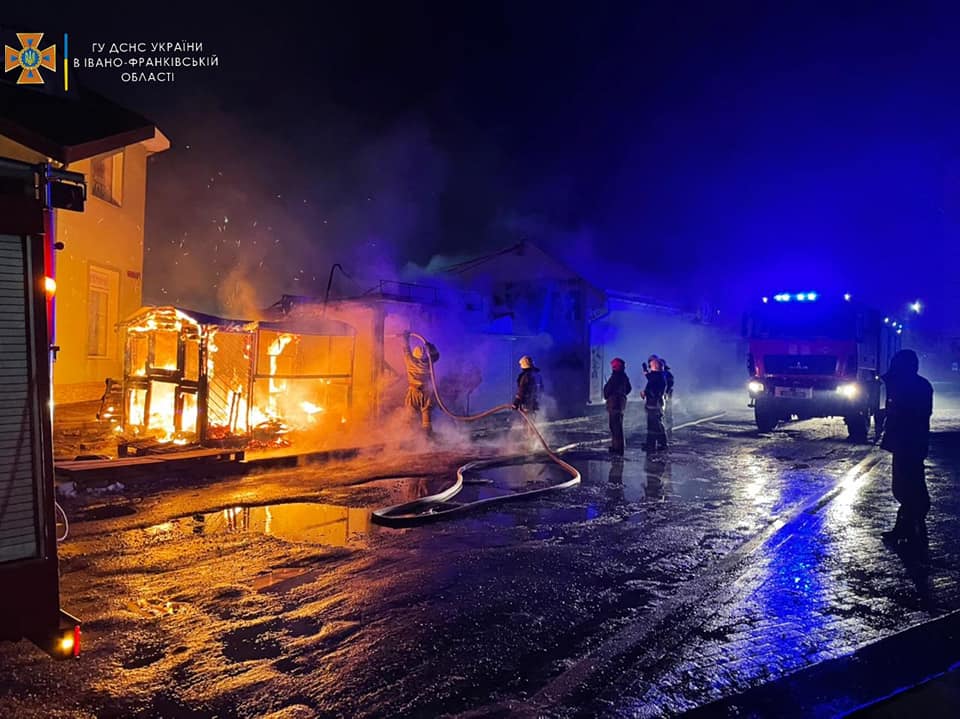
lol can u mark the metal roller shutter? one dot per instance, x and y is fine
(18, 502)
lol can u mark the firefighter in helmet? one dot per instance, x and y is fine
(654, 395)
(615, 393)
(419, 398)
(529, 387)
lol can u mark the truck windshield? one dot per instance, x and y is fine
(804, 320)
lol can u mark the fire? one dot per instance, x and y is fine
(211, 351)
(257, 417)
(188, 417)
(258, 390)
(310, 409)
(274, 351)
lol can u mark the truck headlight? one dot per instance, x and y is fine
(755, 387)
(848, 391)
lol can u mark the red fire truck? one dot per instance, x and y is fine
(818, 356)
(29, 573)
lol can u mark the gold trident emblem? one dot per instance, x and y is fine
(29, 58)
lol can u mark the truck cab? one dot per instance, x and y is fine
(817, 356)
(29, 571)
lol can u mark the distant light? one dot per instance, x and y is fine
(886, 320)
(765, 300)
(916, 307)
(801, 297)
(782, 297)
(848, 390)
(900, 331)
(811, 296)
(49, 285)
(847, 297)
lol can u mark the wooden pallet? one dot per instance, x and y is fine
(147, 465)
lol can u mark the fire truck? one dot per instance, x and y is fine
(29, 571)
(812, 355)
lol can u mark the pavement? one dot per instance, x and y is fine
(694, 580)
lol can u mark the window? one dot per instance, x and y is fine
(102, 296)
(107, 175)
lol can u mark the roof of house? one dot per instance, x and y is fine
(75, 127)
(523, 262)
(542, 263)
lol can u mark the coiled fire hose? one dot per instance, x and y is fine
(406, 514)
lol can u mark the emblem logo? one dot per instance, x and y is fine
(30, 58)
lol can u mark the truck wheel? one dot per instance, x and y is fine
(858, 426)
(766, 420)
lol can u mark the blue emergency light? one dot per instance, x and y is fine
(799, 297)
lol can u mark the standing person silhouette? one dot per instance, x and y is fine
(615, 393)
(906, 435)
(654, 394)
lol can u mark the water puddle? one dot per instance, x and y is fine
(330, 525)
(309, 522)
(654, 477)
(509, 478)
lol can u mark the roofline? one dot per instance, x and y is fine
(477, 261)
(75, 153)
(641, 301)
(158, 143)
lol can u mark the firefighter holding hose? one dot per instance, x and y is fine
(529, 387)
(419, 398)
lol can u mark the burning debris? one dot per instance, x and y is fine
(191, 378)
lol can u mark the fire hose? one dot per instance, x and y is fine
(66, 523)
(437, 506)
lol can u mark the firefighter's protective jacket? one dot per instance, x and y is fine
(529, 389)
(419, 389)
(656, 390)
(909, 406)
(615, 391)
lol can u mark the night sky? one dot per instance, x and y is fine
(686, 150)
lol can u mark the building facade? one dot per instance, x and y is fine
(99, 271)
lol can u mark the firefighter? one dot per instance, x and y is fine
(906, 435)
(615, 393)
(419, 398)
(529, 387)
(667, 397)
(653, 394)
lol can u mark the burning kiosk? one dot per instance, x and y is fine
(196, 378)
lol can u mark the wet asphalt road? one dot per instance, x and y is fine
(659, 584)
